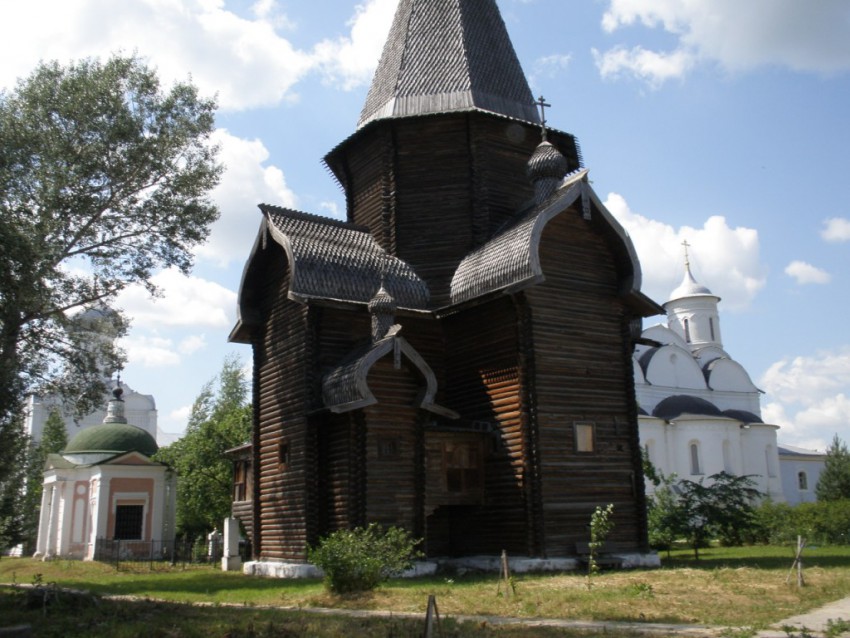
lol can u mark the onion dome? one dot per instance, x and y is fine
(546, 169)
(114, 436)
(112, 439)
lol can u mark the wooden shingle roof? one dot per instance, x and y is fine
(340, 261)
(448, 55)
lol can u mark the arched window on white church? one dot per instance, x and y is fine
(696, 467)
(711, 327)
(687, 330)
(802, 482)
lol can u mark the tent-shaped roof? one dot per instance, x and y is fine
(448, 55)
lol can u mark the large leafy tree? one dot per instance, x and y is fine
(220, 420)
(834, 482)
(104, 179)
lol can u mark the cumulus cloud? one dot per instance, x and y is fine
(247, 182)
(836, 229)
(150, 351)
(739, 36)
(243, 59)
(185, 301)
(808, 397)
(724, 258)
(350, 61)
(805, 273)
(652, 67)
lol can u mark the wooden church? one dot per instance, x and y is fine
(455, 357)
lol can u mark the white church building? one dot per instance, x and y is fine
(699, 410)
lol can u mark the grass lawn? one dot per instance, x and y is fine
(728, 587)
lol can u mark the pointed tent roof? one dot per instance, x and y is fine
(448, 55)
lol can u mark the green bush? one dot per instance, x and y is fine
(822, 522)
(362, 558)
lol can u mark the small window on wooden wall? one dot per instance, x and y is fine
(242, 481)
(283, 453)
(388, 448)
(462, 466)
(585, 437)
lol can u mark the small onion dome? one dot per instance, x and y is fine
(382, 303)
(546, 169)
(382, 308)
(112, 438)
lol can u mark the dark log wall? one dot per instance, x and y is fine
(284, 451)
(432, 188)
(393, 447)
(582, 375)
(483, 383)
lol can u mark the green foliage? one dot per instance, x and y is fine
(105, 180)
(834, 482)
(663, 516)
(362, 558)
(600, 526)
(220, 420)
(724, 509)
(13, 447)
(822, 522)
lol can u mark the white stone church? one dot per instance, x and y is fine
(700, 411)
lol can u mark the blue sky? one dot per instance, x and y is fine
(713, 121)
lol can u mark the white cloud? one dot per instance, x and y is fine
(331, 209)
(548, 67)
(836, 229)
(185, 301)
(739, 35)
(350, 61)
(723, 258)
(192, 344)
(150, 351)
(246, 182)
(808, 397)
(806, 273)
(652, 67)
(244, 60)
(806, 381)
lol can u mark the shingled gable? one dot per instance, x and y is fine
(510, 262)
(331, 260)
(346, 387)
(448, 55)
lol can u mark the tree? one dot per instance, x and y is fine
(104, 179)
(220, 420)
(724, 508)
(834, 482)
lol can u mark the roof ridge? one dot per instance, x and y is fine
(312, 217)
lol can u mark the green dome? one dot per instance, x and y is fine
(112, 437)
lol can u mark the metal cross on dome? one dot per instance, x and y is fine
(541, 102)
(686, 245)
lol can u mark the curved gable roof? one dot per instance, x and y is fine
(346, 387)
(511, 260)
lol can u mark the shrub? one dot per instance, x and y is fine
(362, 558)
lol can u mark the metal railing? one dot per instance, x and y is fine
(157, 554)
